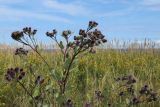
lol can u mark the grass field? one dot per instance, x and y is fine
(92, 73)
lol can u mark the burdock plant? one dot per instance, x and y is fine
(144, 95)
(85, 41)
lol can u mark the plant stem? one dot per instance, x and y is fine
(67, 71)
(22, 85)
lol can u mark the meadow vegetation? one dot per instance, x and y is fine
(97, 77)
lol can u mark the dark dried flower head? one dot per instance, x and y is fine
(39, 80)
(135, 101)
(130, 79)
(131, 90)
(69, 103)
(21, 51)
(29, 31)
(66, 33)
(51, 34)
(92, 24)
(82, 32)
(104, 40)
(17, 69)
(109, 104)
(99, 95)
(144, 90)
(121, 93)
(34, 31)
(23, 74)
(17, 35)
(20, 77)
(54, 31)
(14, 74)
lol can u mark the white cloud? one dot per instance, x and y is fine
(15, 14)
(72, 8)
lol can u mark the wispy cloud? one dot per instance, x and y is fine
(119, 12)
(111, 1)
(8, 13)
(71, 8)
(151, 4)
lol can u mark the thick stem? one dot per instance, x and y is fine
(68, 70)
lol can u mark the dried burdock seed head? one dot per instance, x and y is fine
(99, 95)
(135, 101)
(21, 51)
(34, 31)
(92, 24)
(51, 34)
(16, 69)
(83, 33)
(75, 38)
(38, 77)
(15, 73)
(37, 97)
(69, 103)
(20, 77)
(121, 93)
(29, 31)
(109, 104)
(8, 78)
(23, 74)
(131, 90)
(130, 79)
(54, 31)
(66, 33)
(144, 90)
(17, 35)
(39, 80)
(21, 69)
(104, 40)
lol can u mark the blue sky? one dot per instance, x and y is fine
(120, 19)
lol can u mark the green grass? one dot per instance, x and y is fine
(92, 72)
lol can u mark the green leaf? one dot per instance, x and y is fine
(127, 101)
(46, 105)
(61, 45)
(59, 98)
(48, 87)
(75, 49)
(55, 75)
(36, 91)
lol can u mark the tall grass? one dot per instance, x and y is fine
(92, 72)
